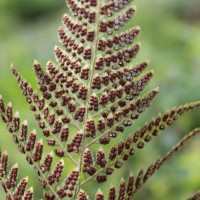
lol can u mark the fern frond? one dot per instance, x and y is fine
(87, 100)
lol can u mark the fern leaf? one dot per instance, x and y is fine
(86, 101)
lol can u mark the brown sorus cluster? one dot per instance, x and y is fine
(82, 94)
(3, 164)
(135, 71)
(87, 54)
(57, 77)
(12, 177)
(51, 142)
(45, 86)
(82, 195)
(79, 115)
(113, 109)
(56, 174)
(101, 159)
(130, 186)
(72, 47)
(9, 113)
(120, 129)
(64, 134)
(44, 79)
(59, 152)
(49, 196)
(113, 153)
(21, 147)
(144, 102)
(51, 119)
(151, 169)
(105, 78)
(37, 155)
(46, 165)
(112, 77)
(96, 83)
(112, 193)
(104, 99)
(110, 120)
(23, 131)
(69, 186)
(71, 106)
(118, 165)
(76, 29)
(112, 134)
(90, 129)
(140, 84)
(99, 195)
(30, 144)
(74, 87)
(88, 163)
(127, 123)
(52, 69)
(118, 41)
(57, 126)
(109, 171)
(138, 180)
(90, 36)
(2, 107)
(104, 114)
(75, 144)
(121, 147)
(66, 120)
(82, 13)
(21, 187)
(119, 59)
(28, 194)
(94, 102)
(66, 62)
(84, 73)
(16, 123)
(101, 178)
(122, 190)
(114, 6)
(70, 44)
(104, 140)
(114, 25)
(101, 125)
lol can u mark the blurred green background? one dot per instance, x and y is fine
(170, 38)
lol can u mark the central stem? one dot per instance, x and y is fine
(94, 55)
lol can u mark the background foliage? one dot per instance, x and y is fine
(170, 39)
